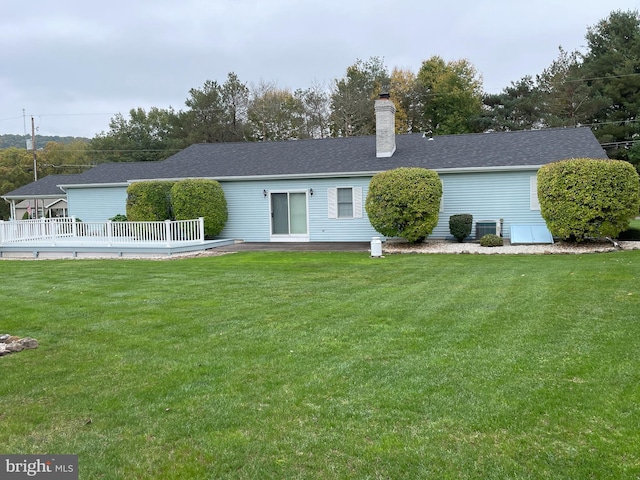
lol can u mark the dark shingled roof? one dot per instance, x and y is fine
(354, 155)
(119, 172)
(45, 187)
(357, 154)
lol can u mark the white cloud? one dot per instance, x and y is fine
(80, 59)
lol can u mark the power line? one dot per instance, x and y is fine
(115, 151)
(603, 78)
(71, 114)
(10, 118)
(66, 166)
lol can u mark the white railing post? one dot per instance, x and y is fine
(70, 229)
(53, 230)
(167, 231)
(109, 232)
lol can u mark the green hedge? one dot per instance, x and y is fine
(149, 201)
(491, 240)
(587, 198)
(404, 202)
(460, 226)
(200, 198)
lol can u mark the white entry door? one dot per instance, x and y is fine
(289, 217)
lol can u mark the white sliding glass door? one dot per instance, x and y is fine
(289, 216)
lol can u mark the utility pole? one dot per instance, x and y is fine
(33, 146)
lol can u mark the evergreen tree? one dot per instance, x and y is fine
(352, 99)
(611, 69)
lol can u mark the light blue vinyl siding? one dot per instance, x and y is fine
(250, 213)
(488, 196)
(325, 229)
(97, 204)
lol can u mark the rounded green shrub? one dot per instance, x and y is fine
(200, 198)
(491, 240)
(404, 202)
(460, 226)
(587, 198)
(149, 201)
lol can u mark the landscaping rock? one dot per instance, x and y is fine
(14, 347)
(12, 344)
(28, 342)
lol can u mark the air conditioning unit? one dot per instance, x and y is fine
(486, 227)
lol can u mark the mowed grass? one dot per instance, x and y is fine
(327, 365)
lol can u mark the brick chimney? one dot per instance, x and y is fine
(385, 126)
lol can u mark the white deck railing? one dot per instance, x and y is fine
(68, 230)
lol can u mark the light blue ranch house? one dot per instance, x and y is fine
(315, 190)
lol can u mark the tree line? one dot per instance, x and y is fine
(599, 88)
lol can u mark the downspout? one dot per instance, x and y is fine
(12, 208)
(66, 196)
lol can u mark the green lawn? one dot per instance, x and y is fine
(326, 365)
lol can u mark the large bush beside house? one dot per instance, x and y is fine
(460, 226)
(586, 198)
(149, 201)
(200, 198)
(404, 202)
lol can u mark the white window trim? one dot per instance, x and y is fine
(291, 237)
(356, 199)
(534, 204)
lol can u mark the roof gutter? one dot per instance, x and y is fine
(28, 196)
(237, 178)
(91, 185)
(295, 176)
(519, 168)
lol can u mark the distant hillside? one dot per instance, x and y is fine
(19, 141)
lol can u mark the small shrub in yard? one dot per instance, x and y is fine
(491, 240)
(119, 218)
(460, 226)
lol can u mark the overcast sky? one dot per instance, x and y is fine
(74, 64)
